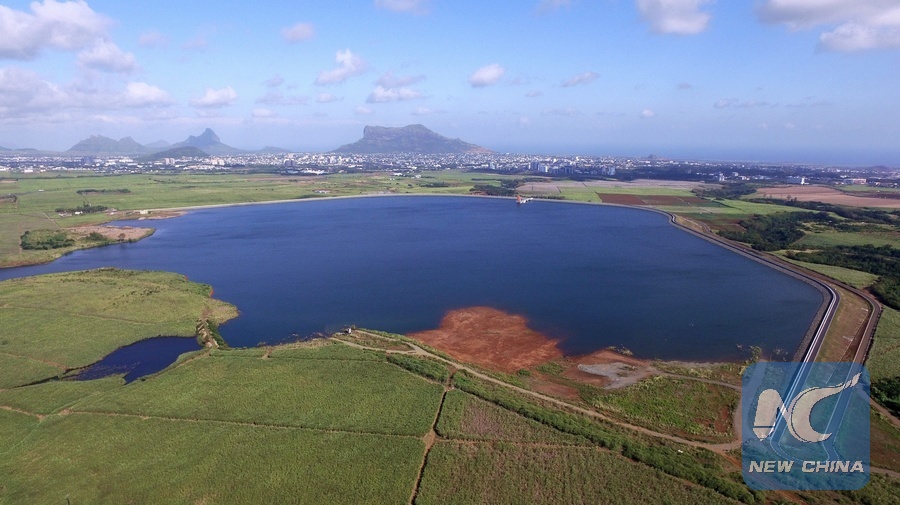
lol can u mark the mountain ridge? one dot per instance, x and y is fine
(207, 142)
(414, 138)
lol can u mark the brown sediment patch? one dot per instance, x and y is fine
(491, 338)
(503, 342)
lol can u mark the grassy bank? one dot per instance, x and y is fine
(56, 322)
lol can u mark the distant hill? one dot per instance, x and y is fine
(209, 142)
(407, 139)
(159, 144)
(98, 144)
(176, 152)
(4, 149)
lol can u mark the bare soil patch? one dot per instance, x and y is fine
(826, 195)
(491, 338)
(620, 199)
(113, 232)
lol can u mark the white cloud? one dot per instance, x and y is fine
(647, 113)
(106, 56)
(349, 65)
(24, 94)
(51, 24)
(327, 98)
(153, 38)
(389, 80)
(299, 32)
(24, 91)
(679, 17)
(487, 75)
(215, 98)
(384, 95)
(861, 25)
(279, 98)
(582, 78)
(413, 6)
(141, 94)
(363, 111)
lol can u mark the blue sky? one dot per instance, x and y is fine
(773, 80)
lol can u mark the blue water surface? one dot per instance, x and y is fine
(592, 276)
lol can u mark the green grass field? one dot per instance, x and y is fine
(14, 427)
(884, 357)
(72, 320)
(849, 276)
(467, 417)
(834, 238)
(329, 394)
(49, 397)
(683, 406)
(100, 459)
(464, 473)
(18, 370)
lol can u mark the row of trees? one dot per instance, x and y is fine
(85, 208)
(775, 231)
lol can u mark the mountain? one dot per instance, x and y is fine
(176, 152)
(4, 149)
(408, 139)
(209, 142)
(159, 144)
(98, 144)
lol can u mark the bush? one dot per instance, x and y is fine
(46, 239)
(887, 393)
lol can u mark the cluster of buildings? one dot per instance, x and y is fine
(407, 163)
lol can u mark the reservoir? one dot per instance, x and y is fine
(592, 276)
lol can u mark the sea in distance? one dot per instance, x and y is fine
(592, 276)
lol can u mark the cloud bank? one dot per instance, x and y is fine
(58, 25)
(861, 24)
